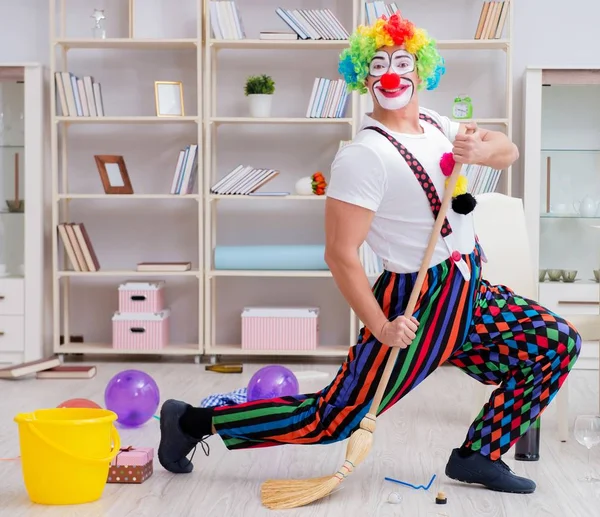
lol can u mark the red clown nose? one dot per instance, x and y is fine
(390, 81)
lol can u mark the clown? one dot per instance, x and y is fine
(385, 188)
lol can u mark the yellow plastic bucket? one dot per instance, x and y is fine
(66, 453)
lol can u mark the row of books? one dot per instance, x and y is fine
(186, 170)
(225, 20)
(374, 10)
(329, 99)
(243, 180)
(492, 19)
(482, 179)
(317, 24)
(78, 246)
(78, 97)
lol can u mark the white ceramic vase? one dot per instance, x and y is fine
(260, 105)
(304, 186)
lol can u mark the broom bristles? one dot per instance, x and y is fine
(279, 494)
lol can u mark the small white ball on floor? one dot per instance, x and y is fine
(394, 498)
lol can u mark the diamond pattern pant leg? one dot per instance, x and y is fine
(527, 351)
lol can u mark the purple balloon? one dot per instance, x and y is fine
(133, 396)
(272, 382)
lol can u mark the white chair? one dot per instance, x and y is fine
(500, 219)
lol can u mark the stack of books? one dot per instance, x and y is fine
(328, 99)
(78, 246)
(78, 97)
(374, 10)
(343, 143)
(186, 170)
(492, 19)
(225, 20)
(482, 179)
(317, 24)
(243, 180)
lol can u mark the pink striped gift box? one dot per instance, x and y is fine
(140, 331)
(280, 328)
(142, 296)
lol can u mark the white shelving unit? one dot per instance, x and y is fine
(212, 121)
(61, 196)
(208, 122)
(561, 163)
(22, 286)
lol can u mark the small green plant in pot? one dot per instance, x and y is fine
(259, 89)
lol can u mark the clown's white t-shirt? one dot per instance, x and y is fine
(371, 173)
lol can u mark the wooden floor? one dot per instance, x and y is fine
(413, 441)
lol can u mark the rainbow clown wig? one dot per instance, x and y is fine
(365, 41)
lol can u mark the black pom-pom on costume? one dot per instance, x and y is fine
(464, 204)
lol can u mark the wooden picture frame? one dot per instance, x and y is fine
(168, 97)
(113, 174)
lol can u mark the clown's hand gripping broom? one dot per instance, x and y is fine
(291, 493)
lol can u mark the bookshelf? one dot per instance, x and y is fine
(210, 125)
(67, 201)
(215, 123)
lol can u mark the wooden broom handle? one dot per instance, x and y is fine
(414, 295)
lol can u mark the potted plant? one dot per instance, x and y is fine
(259, 89)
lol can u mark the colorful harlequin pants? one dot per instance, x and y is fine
(489, 332)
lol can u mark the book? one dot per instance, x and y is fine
(374, 10)
(278, 36)
(328, 99)
(492, 19)
(481, 179)
(78, 97)
(20, 370)
(243, 180)
(225, 20)
(186, 170)
(164, 266)
(67, 372)
(79, 248)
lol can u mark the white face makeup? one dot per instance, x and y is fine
(399, 63)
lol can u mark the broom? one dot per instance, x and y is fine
(292, 493)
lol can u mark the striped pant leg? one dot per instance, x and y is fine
(444, 311)
(527, 351)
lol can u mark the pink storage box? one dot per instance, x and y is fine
(139, 331)
(142, 296)
(280, 328)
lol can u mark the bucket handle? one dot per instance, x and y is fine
(113, 434)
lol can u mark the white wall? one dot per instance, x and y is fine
(125, 233)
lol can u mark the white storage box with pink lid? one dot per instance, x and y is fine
(142, 296)
(280, 328)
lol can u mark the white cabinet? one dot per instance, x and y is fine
(562, 191)
(21, 212)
